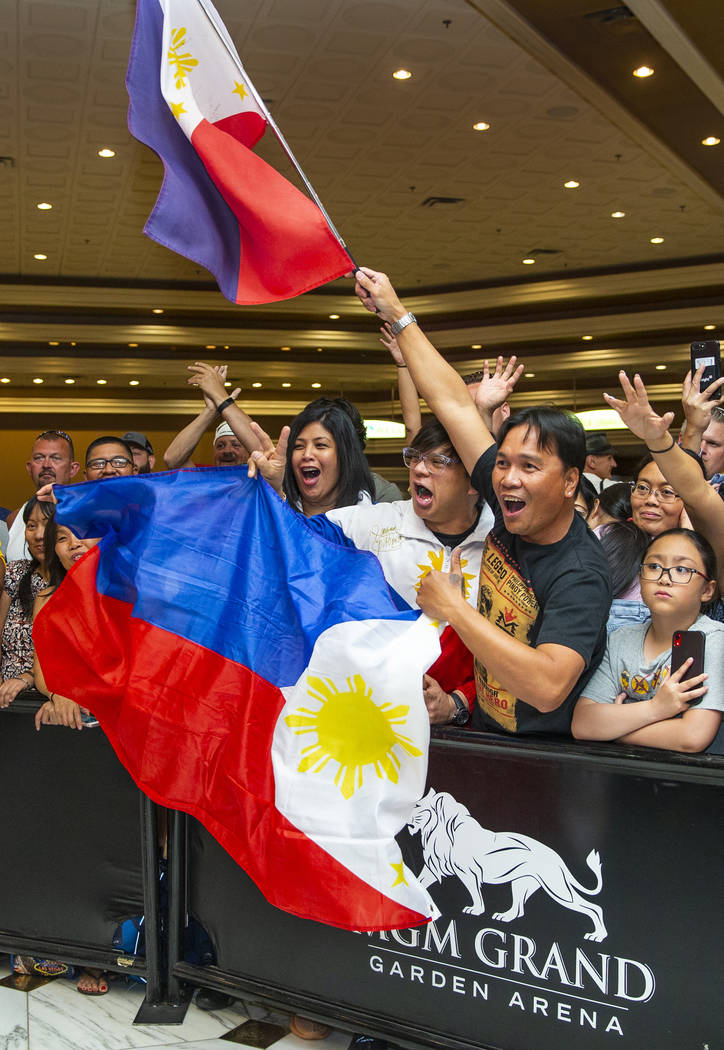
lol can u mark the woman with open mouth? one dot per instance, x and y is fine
(325, 466)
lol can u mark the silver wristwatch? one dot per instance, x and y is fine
(397, 326)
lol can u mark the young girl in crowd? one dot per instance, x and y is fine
(633, 697)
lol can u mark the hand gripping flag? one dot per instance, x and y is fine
(255, 675)
(220, 205)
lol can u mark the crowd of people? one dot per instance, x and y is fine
(557, 586)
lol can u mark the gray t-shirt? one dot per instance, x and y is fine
(625, 670)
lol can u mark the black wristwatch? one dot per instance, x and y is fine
(462, 712)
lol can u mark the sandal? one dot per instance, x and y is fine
(304, 1028)
(95, 982)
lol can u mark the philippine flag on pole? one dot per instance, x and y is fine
(220, 205)
(255, 675)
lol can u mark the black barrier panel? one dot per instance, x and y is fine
(534, 948)
(70, 839)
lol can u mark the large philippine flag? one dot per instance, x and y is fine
(220, 205)
(255, 675)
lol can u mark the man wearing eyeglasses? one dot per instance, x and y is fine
(108, 457)
(545, 590)
(52, 461)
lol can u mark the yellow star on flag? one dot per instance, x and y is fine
(399, 872)
(239, 90)
(177, 108)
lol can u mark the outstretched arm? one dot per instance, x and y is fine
(409, 398)
(703, 503)
(438, 383)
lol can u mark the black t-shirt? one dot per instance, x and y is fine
(557, 593)
(450, 539)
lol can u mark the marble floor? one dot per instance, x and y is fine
(54, 1016)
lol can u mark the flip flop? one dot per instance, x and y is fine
(100, 979)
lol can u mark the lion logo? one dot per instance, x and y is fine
(453, 843)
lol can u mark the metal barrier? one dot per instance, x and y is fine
(80, 851)
(579, 887)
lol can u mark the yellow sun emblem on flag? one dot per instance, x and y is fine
(437, 561)
(181, 62)
(353, 731)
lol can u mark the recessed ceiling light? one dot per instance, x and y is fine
(101, 382)
(709, 327)
(661, 368)
(320, 349)
(529, 375)
(316, 386)
(72, 342)
(528, 262)
(4, 379)
(334, 317)
(53, 342)
(226, 346)
(132, 345)
(256, 385)
(617, 214)
(476, 346)
(710, 140)
(134, 382)
(69, 381)
(106, 152)
(38, 380)
(571, 184)
(285, 385)
(481, 125)
(657, 240)
(643, 71)
(285, 347)
(44, 206)
(210, 346)
(586, 338)
(227, 383)
(41, 256)
(157, 310)
(402, 74)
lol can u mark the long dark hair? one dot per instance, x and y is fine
(615, 500)
(354, 471)
(53, 565)
(25, 587)
(624, 545)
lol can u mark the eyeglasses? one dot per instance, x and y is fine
(117, 462)
(653, 571)
(640, 488)
(434, 461)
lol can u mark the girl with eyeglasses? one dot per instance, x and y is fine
(633, 697)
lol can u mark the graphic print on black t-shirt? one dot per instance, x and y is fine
(506, 600)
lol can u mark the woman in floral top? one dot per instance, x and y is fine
(24, 579)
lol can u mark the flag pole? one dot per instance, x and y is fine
(226, 40)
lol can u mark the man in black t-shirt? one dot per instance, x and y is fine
(545, 587)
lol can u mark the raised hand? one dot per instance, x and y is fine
(493, 390)
(636, 412)
(271, 460)
(210, 380)
(374, 291)
(698, 403)
(390, 343)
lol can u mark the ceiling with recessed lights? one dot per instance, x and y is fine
(521, 186)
